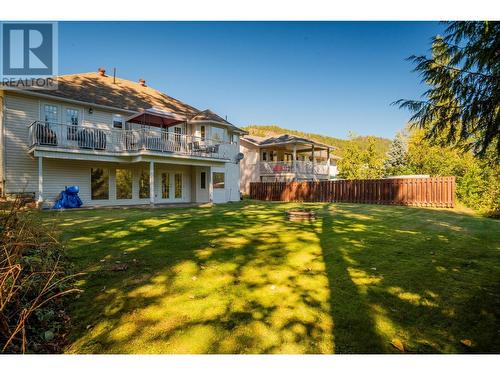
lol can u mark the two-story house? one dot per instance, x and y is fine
(285, 158)
(120, 141)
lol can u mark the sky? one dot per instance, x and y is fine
(330, 78)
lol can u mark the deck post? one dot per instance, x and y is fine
(40, 181)
(210, 185)
(328, 162)
(313, 162)
(152, 183)
(294, 164)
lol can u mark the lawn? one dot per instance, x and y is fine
(239, 278)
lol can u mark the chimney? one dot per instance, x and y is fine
(102, 72)
(142, 82)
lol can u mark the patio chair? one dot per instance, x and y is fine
(45, 135)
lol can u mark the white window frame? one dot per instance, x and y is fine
(69, 121)
(45, 106)
(223, 182)
(182, 185)
(118, 118)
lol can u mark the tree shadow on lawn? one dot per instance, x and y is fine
(241, 279)
(232, 279)
(420, 276)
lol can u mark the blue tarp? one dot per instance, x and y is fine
(69, 198)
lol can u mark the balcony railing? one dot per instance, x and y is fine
(299, 167)
(63, 136)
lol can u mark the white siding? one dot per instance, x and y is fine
(232, 182)
(21, 169)
(59, 173)
(2, 149)
(249, 166)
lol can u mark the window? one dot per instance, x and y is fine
(178, 132)
(117, 121)
(72, 116)
(234, 138)
(165, 185)
(218, 178)
(203, 132)
(217, 134)
(178, 185)
(144, 184)
(274, 155)
(72, 119)
(123, 184)
(203, 180)
(264, 156)
(50, 114)
(99, 183)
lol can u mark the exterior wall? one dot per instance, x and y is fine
(249, 166)
(21, 169)
(58, 173)
(232, 182)
(334, 171)
(2, 159)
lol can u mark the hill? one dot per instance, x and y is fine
(381, 144)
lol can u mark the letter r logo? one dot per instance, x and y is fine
(28, 49)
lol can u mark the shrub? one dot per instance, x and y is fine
(34, 277)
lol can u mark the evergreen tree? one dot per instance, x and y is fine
(462, 106)
(397, 157)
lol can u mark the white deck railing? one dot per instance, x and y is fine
(63, 136)
(299, 167)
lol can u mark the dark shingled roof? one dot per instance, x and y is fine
(96, 89)
(284, 138)
(93, 88)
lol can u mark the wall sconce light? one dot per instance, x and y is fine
(91, 110)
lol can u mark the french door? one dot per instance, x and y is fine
(171, 186)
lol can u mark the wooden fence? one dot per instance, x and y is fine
(427, 192)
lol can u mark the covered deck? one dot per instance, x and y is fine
(295, 156)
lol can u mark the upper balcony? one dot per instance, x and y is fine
(63, 137)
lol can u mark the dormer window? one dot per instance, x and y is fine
(118, 121)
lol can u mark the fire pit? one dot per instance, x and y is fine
(301, 215)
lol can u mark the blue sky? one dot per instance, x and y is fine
(323, 77)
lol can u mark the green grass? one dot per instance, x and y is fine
(239, 278)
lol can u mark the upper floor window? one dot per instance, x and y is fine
(118, 121)
(217, 134)
(72, 119)
(203, 132)
(234, 138)
(50, 113)
(178, 132)
(264, 155)
(72, 116)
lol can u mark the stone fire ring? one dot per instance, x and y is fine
(298, 215)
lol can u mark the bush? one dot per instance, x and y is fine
(34, 277)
